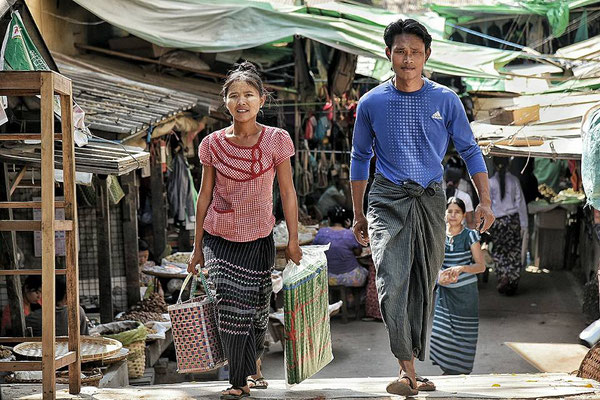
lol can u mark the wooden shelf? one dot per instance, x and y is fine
(4, 272)
(8, 366)
(47, 84)
(61, 361)
(26, 136)
(30, 226)
(65, 359)
(29, 83)
(28, 204)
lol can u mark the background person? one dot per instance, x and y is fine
(510, 209)
(456, 314)
(342, 266)
(234, 222)
(61, 321)
(32, 298)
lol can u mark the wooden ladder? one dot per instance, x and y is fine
(47, 84)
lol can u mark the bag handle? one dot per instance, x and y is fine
(204, 285)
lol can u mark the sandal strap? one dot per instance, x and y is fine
(410, 382)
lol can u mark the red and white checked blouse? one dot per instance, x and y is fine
(242, 204)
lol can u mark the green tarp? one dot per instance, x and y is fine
(557, 12)
(219, 26)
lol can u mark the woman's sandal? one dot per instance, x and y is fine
(231, 396)
(260, 383)
(402, 386)
(425, 385)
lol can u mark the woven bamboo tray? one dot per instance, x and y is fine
(121, 355)
(92, 348)
(590, 366)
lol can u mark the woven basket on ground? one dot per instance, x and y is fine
(590, 366)
(136, 360)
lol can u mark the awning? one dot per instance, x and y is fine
(217, 26)
(557, 12)
(125, 107)
(556, 135)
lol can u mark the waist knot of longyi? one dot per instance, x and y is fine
(413, 189)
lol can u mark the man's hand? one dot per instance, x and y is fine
(360, 227)
(484, 217)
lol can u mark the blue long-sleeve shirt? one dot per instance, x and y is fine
(410, 132)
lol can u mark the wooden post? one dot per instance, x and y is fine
(71, 240)
(48, 245)
(8, 260)
(130, 186)
(159, 209)
(104, 251)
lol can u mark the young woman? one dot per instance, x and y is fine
(456, 317)
(234, 222)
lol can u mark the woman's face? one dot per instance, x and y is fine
(454, 215)
(243, 101)
(33, 296)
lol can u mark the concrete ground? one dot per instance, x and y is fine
(508, 386)
(546, 309)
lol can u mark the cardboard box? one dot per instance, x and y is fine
(515, 115)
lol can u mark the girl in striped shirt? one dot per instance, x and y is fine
(456, 317)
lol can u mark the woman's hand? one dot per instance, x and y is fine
(449, 275)
(293, 252)
(443, 278)
(196, 258)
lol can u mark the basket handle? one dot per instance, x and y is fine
(204, 285)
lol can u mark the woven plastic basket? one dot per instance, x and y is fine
(590, 366)
(136, 360)
(195, 328)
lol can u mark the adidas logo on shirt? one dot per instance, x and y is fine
(437, 115)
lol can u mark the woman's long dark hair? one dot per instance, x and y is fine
(501, 166)
(458, 202)
(452, 177)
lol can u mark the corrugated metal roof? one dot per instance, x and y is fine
(97, 157)
(123, 106)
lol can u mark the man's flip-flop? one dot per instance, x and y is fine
(231, 396)
(425, 385)
(260, 383)
(402, 387)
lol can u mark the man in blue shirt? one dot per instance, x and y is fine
(408, 122)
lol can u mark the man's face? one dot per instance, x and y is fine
(408, 56)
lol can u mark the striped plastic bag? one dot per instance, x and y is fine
(306, 315)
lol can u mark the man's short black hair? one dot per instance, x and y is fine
(406, 26)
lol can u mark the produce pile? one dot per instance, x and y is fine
(179, 258)
(546, 191)
(281, 236)
(5, 352)
(564, 196)
(150, 309)
(306, 315)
